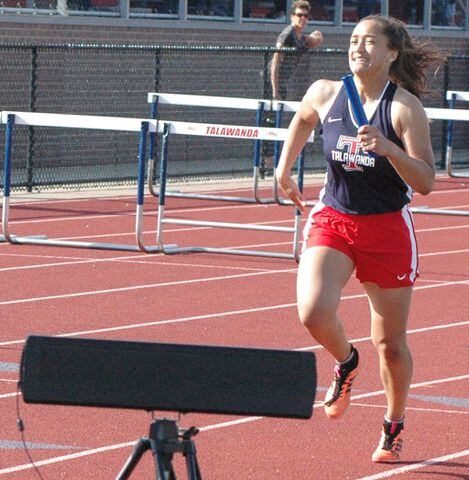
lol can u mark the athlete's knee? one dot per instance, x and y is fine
(316, 312)
(393, 350)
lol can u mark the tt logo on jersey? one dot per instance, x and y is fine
(350, 153)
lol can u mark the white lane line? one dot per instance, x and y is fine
(183, 282)
(220, 314)
(447, 252)
(139, 287)
(414, 409)
(216, 426)
(30, 255)
(63, 458)
(439, 229)
(413, 385)
(170, 321)
(134, 259)
(9, 395)
(409, 332)
(416, 466)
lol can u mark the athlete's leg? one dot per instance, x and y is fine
(322, 274)
(389, 313)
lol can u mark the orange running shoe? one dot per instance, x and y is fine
(390, 445)
(338, 396)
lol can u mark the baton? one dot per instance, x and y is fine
(355, 102)
(352, 94)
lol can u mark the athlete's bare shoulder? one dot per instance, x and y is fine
(320, 96)
(406, 109)
(406, 99)
(321, 91)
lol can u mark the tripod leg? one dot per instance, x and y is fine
(140, 448)
(193, 471)
(164, 466)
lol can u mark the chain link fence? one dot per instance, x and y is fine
(115, 81)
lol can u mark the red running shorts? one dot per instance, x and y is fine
(383, 247)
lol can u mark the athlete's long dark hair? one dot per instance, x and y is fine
(409, 70)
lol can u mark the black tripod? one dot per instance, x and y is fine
(164, 441)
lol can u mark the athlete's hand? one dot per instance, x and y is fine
(291, 190)
(373, 140)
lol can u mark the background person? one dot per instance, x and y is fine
(362, 221)
(283, 65)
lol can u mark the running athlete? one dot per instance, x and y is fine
(362, 221)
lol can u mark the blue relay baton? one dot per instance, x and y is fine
(352, 94)
(355, 102)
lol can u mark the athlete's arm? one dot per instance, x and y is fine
(274, 73)
(415, 164)
(303, 123)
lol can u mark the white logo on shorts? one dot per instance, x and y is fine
(401, 277)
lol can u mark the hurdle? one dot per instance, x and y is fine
(451, 115)
(452, 96)
(142, 126)
(224, 131)
(257, 105)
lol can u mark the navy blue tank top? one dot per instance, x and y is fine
(358, 183)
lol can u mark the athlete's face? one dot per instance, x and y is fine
(368, 51)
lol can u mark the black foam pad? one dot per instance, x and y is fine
(161, 376)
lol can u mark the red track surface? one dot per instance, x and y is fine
(234, 301)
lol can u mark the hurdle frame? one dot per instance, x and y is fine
(452, 96)
(191, 129)
(142, 126)
(259, 105)
(450, 115)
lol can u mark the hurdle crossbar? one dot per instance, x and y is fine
(219, 131)
(259, 105)
(76, 121)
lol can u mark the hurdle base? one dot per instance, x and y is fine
(43, 240)
(438, 211)
(457, 175)
(3, 239)
(251, 253)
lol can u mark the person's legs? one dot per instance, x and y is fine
(322, 274)
(389, 313)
